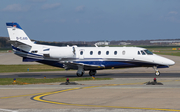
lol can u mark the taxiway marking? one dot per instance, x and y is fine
(40, 96)
(8, 110)
(40, 99)
(20, 95)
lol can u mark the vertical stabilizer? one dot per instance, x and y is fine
(17, 34)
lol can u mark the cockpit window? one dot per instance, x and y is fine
(142, 52)
(148, 52)
(139, 53)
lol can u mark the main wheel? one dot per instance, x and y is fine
(92, 72)
(80, 75)
(157, 73)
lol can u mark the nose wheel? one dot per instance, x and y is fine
(157, 73)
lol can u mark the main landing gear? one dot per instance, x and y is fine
(156, 71)
(80, 74)
(80, 71)
(92, 72)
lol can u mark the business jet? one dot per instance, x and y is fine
(83, 58)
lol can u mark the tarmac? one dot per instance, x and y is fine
(120, 94)
(117, 95)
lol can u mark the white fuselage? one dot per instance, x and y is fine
(83, 58)
(99, 56)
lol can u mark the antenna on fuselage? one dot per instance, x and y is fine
(96, 45)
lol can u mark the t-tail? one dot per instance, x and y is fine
(18, 38)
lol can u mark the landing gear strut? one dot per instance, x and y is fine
(156, 71)
(92, 72)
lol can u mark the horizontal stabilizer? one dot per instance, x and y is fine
(18, 43)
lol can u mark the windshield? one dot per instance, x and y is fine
(148, 52)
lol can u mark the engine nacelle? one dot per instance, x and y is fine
(61, 52)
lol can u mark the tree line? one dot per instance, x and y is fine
(5, 43)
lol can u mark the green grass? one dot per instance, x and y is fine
(5, 50)
(22, 81)
(25, 68)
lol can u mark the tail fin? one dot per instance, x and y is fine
(17, 34)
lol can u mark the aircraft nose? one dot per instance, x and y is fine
(170, 62)
(165, 61)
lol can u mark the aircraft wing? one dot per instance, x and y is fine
(74, 65)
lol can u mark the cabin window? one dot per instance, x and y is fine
(99, 52)
(34, 51)
(81, 53)
(148, 52)
(139, 53)
(123, 52)
(115, 52)
(91, 52)
(107, 52)
(142, 52)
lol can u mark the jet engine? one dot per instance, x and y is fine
(61, 52)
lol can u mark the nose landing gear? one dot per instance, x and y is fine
(157, 73)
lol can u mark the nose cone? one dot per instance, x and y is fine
(164, 61)
(170, 62)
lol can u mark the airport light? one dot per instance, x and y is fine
(155, 80)
(14, 80)
(67, 80)
(93, 76)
